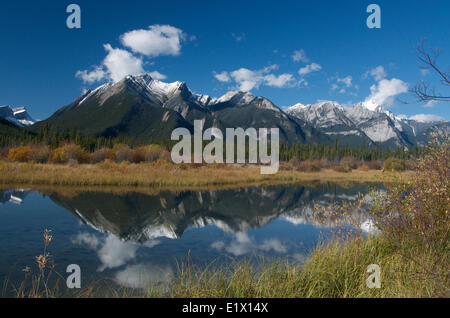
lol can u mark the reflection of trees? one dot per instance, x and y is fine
(141, 217)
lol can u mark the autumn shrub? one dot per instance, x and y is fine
(69, 152)
(20, 154)
(294, 163)
(341, 168)
(394, 164)
(4, 151)
(308, 166)
(324, 163)
(41, 153)
(415, 216)
(99, 155)
(122, 153)
(349, 163)
(363, 168)
(374, 164)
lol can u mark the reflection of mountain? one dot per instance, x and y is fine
(141, 217)
(13, 196)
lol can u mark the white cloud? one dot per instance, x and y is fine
(313, 67)
(121, 63)
(96, 75)
(426, 118)
(346, 80)
(300, 56)
(157, 75)
(155, 41)
(378, 73)
(431, 103)
(118, 63)
(249, 79)
(385, 90)
(278, 81)
(334, 87)
(222, 77)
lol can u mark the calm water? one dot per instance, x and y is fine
(138, 238)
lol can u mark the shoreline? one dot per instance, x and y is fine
(167, 176)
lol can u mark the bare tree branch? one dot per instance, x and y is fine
(428, 58)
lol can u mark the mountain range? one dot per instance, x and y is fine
(145, 109)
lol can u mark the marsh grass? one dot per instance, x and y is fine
(162, 174)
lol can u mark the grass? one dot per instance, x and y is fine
(333, 270)
(167, 175)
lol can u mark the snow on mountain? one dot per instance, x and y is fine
(18, 116)
(364, 119)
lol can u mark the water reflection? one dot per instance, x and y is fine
(138, 238)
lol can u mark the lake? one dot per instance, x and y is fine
(134, 238)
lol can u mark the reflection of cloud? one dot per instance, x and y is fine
(111, 251)
(115, 253)
(87, 239)
(242, 244)
(143, 275)
(369, 227)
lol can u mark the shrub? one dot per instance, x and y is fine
(122, 153)
(374, 164)
(308, 166)
(20, 154)
(150, 153)
(324, 163)
(416, 215)
(341, 168)
(363, 168)
(99, 155)
(394, 164)
(349, 163)
(70, 152)
(294, 163)
(41, 153)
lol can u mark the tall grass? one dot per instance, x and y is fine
(162, 174)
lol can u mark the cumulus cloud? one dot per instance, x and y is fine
(346, 80)
(222, 77)
(96, 75)
(278, 81)
(427, 118)
(157, 75)
(300, 56)
(313, 67)
(247, 79)
(121, 63)
(155, 41)
(385, 90)
(378, 73)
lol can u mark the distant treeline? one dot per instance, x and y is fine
(333, 151)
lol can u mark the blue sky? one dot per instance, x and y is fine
(287, 51)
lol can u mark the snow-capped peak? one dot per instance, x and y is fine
(155, 85)
(238, 97)
(296, 107)
(18, 116)
(370, 104)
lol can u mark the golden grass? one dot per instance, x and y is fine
(164, 175)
